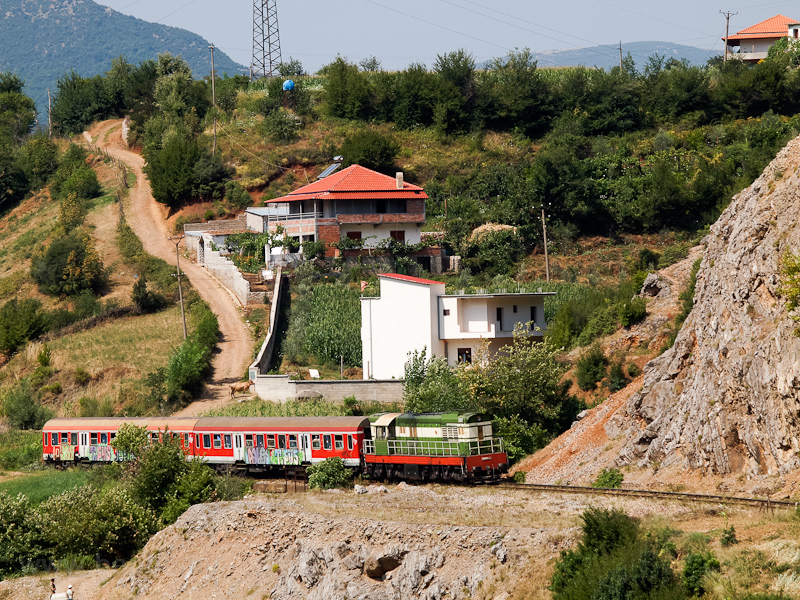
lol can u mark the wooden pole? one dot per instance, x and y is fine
(177, 241)
(546, 257)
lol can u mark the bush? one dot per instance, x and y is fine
(631, 311)
(158, 468)
(616, 376)
(370, 149)
(83, 183)
(634, 370)
(695, 568)
(145, 300)
(591, 367)
(20, 321)
(313, 249)
(81, 377)
(237, 196)
(728, 537)
(608, 478)
(518, 477)
(22, 409)
(330, 473)
(70, 265)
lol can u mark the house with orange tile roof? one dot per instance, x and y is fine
(753, 43)
(357, 204)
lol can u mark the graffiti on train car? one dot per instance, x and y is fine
(272, 456)
(64, 452)
(100, 453)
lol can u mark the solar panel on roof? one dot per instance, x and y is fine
(329, 170)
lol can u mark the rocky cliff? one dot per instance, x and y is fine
(725, 397)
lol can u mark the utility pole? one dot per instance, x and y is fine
(620, 55)
(728, 16)
(177, 241)
(49, 114)
(546, 258)
(213, 99)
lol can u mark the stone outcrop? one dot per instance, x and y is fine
(726, 397)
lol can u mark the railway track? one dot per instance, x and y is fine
(764, 503)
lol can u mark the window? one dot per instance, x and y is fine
(446, 312)
(104, 438)
(111, 437)
(187, 440)
(65, 438)
(514, 308)
(228, 443)
(206, 440)
(154, 437)
(339, 442)
(270, 441)
(282, 442)
(93, 439)
(353, 235)
(74, 439)
(533, 318)
(239, 441)
(293, 442)
(217, 440)
(315, 443)
(54, 439)
(465, 355)
(326, 440)
(248, 440)
(260, 440)
(349, 442)
(500, 316)
(398, 236)
(196, 440)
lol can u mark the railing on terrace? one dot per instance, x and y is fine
(294, 216)
(437, 447)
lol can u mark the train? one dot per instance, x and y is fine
(449, 446)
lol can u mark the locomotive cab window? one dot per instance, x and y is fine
(206, 440)
(339, 442)
(326, 440)
(315, 442)
(93, 439)
(270, 441)
(282, 442)
(228, 443)
(218, 440)
(293, 442)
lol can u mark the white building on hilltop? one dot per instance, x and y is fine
(413, 313)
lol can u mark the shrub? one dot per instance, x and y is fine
(71, 214)
(158, 467)
(20, 541)
(145, 300)
(370, 149)
(591, 367)
(229, 487)
(70, 265)
(695, 568)
(83, 183)
(81, 377)
(314, 249)
(518, 477)
(608, 478)
(330, 473)
(20, 321)
(280, 126)
(616, 376)
(631, 311)
(519, 437)
(22, 409)
(634, 370)
(237, 196)
(728, 537)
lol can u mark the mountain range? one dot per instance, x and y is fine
(607, 56)
(41, 40)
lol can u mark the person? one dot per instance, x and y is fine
(69, 592)
(52, 585)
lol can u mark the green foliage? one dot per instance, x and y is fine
(687, 302)
(520, 438)
(616, 376)
(631, 311)
(20, 321)
(370, 149)
(22, 409)
(130, 440)
(330, 473)
(20, 449)
(237, 197)
(608, 478)
(194, 486)
(158, 468)
(229, 487)
(591, 367)
(695, 567)
(518, 477)
(145, 300)
(83, 183)
(39, 159)
(494, 253)
(69, 266)
(280, 126)
(430, 385)
(634, 370)
(728, 537)
(346, 90)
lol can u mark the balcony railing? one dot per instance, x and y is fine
(438, 447)
(294, 216)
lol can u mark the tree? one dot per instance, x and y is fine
(39, 159)
(130, 440)
(370, 149)
(171, 170)
(291, 68)
(20, 321)
(346, 90)
(371, 64)
(70, 265)
(157, 469)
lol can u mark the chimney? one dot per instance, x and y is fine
(399, 177)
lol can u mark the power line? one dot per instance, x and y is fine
(648, 16)
(176, 11)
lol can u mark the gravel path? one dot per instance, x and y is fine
(148, 219)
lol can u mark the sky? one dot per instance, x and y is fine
(401, 33)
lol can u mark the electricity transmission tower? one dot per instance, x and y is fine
(266, 40)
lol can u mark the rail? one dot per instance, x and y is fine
(293, 216)
(767, 503)
(438, 447)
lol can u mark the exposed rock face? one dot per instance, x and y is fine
(725, 398)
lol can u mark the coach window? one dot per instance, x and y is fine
(111, 437)
(187, 440)
(154, 437)
(326, 439)
(93, 439)
(65, 438)
(260, 440)
(74, 440)
(228, 444)
(282, 442)
(54, 439)
(349, 442)
(293, 441)
(217, 440)
(270, 441)
(104, 438)
(206, 440)
(248, 440)
(339, 442)
(315, 444)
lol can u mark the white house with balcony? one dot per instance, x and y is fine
(753, 43)
(412, 313)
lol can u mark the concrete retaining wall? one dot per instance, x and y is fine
(261, 363)
(279, 388)
(229, 275)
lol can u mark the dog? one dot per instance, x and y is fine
(241, 386)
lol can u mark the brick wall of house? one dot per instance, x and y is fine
(329, 234)
(373, 218)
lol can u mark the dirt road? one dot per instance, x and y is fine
(148, 219)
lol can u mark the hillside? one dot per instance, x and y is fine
(607, 56)
(41, 41)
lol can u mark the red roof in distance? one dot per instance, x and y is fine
(354, 182)
(410, 279)
(777, 26)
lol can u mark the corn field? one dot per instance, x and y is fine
(333, 328)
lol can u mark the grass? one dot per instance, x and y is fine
(20, 449)
(38, 487)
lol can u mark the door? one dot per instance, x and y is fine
(238, 447)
